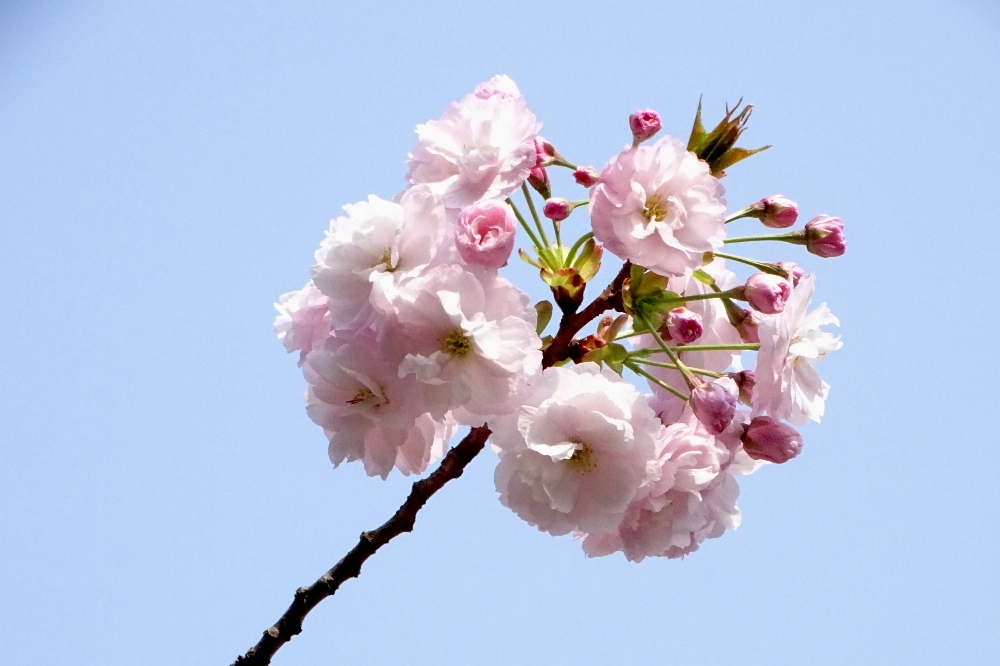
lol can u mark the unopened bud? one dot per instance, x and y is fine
(644, 125)
(767, 293)
(747, 324)
(825, 236)
(586, 176)
(777, 212)
(684, 326)
(557, 209)
(792, 269)
(745, 381)
(545, 152)
(767, 439)
(538, 178)
(714, 406)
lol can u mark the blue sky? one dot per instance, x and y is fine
(167, 170)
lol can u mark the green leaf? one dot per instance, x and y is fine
(544, 310)
(732, 156)
(697, 131)
(703, 277)
(526, 258)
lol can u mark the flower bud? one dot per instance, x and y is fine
(557, 209)
(746, 324)
(485, 234)
(767, 293)
(714, 406)
(538, 178)
(792, 269)
(767, 439)
(745, 381)
(586, 176)
(825, 236)
(777, 212)
(644, 124)
(684, 326)
(545, 152)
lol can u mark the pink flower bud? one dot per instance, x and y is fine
(557, 209)
(545, 152)
(794, 272)
(644, 124)
(684, 326)
(586, 176)
(747, 325)
(714, 406)
(538, 178)
(778, 212)
(485, 234)
(767, 439)
(745, 381)
(767, 293)
(825, 236)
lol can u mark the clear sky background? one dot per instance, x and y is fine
(168, 169)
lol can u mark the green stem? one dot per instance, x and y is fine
(759, 265)
(750, 346)
(793, 237)
(564, 163)
(670, 366)
(639, 371)
(542, 252)
(691, 380)
(732, 293)
(746, 212)
(534, 213)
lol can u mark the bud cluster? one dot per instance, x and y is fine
(406, 329)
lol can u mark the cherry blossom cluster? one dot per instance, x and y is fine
(407, 331)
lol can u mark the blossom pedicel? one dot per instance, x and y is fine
(407, 331)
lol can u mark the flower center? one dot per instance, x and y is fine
(456, 344)
(363, 395)
(582, 459)
(385, 261)
(656, 208)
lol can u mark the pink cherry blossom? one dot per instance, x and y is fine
(482, 147)
(303, 319)
(788, 387)
(500, 85)
(576, 453)
(368, 411)
(472, 336)
(486, 233)
(375, 247)
(692, 499)
(659, 207)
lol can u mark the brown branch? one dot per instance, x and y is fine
(306, 598)
(610, 299)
